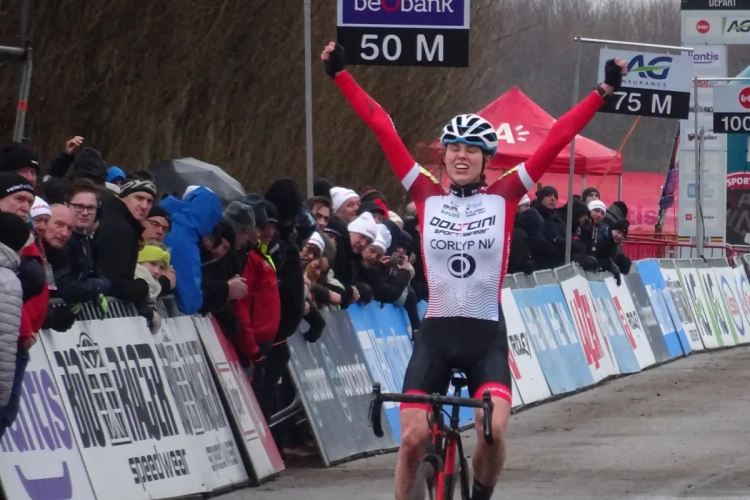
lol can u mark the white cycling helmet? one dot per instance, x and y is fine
(473, 130)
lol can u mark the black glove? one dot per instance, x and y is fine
(612, 74)
(32, 276)
(618, 279)
(59, 318)
(335, 62)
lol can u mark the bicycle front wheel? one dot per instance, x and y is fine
(425, 482)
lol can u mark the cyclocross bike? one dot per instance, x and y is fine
(437, 470)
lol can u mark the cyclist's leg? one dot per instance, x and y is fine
(490, 370)
(425, 374)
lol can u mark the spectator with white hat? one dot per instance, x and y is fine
(40, 214)
(598, 211)
(345, 203)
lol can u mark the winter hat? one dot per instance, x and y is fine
(393, 216)
(620, 225)
(317, 240)
(322, 187)
(15, 156)
(372, 194)
(228, 233)
(137, 186)
(597, 204)
(115, 174)
(383, 239)
(580, 209)
(154, 253)
(259, 208)
(371, 207)
(340, 195)
(405, 240)
(159, 211)
(240, 216)
(546, 191)
(272, 212)
(524, 200)
(40, 207)
(379, 243)
(365, 225)
(588, 191)
(88, 163)
(306, 223)
(14, 231)
(622, 206)
(287, 197)
(12, 182)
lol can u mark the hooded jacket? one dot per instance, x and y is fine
(73, 269)
(115, 246)
(11, 303)
(526, 241)
(34, 307)
(192, 219)
(554, 238)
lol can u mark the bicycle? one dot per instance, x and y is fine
(436, 473)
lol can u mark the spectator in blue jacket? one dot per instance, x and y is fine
(192, 219)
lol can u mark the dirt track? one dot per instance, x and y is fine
(677, 431)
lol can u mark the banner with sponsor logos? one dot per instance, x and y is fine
(524, 362)
(656, 288)
(124, 416)
(39, 456)
(581, 305)
(642, 304)
(681, 303)
(555, 341)
(704, 317)
(198, 404)
(743, 292)
(631, 322)
(335, 387)
(619, 339)
(738, 322)
(256, 437)
(715, 302)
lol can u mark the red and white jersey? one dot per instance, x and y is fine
(465, 230)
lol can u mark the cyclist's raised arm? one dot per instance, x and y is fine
(518, 181)
(407, 170)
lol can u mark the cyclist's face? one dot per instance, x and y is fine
(463, 163)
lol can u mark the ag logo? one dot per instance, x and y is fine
(737, 25)
(506, 133)
(461, 265)
(656, 69)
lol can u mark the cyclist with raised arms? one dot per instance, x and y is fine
(465, 238)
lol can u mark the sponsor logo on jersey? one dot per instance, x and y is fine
(452, 228)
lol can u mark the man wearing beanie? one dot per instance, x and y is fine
(554, 229)
(590, 194)
(345, 203)
(116, 243)
(242, 218)
(598, 211)
(17, 158)
(14, 233)
(157, 225)
(16, 194)
(192, 219)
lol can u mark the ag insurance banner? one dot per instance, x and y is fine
(123, 416)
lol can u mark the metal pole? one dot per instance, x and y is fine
(23, 21)
(698, 176)
(23, 98)
(308, 98)
(635, 44)
(583, 183)
(619, 187)
(569, 227)
(7, 50)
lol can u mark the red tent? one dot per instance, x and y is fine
(521, 127)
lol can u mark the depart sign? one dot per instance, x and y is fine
(405, 32)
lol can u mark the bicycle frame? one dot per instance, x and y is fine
(448, 447)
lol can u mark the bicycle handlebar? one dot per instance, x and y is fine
(378, 398)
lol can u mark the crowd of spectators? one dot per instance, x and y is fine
(81, 232)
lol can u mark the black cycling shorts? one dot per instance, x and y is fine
(477, 347)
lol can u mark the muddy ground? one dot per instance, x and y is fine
(681, 430)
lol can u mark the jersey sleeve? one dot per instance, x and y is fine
(519, 180)
(416, 179)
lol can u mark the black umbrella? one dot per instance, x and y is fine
(175, 176)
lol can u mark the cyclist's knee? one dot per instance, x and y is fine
(414, 431)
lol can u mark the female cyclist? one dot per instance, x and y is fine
(465, 237)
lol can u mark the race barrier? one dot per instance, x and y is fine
(111, 411)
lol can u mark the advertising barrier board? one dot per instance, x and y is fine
(716, 304)
(256, 438)
(642, 304)
(656, 288)
(620, 340)
(39, 457)
(631, 322)
(738, 323)
(704, 316)
(581, 305)
(681, 304)
(336, 388)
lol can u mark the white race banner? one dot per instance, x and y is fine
(39, 457)
(631, 322)
(704, 318)
(257, 438)
(738, 321)
(715, 301)
(524, 364)
(594, 342)
(743, 292)
(124, 418)
(198, 403)
(682, 306)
